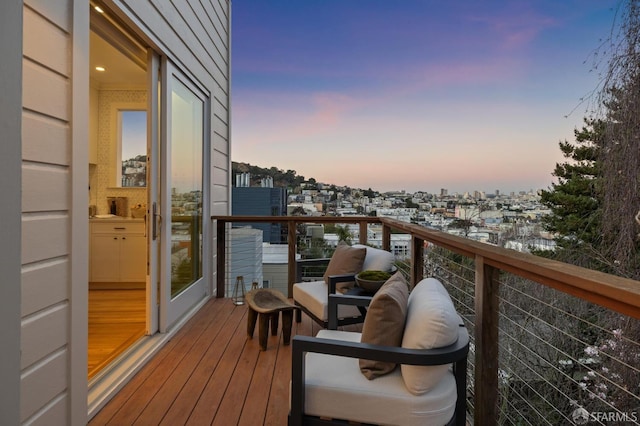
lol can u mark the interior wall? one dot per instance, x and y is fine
(101, 175)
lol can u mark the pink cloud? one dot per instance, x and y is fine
(517, 26)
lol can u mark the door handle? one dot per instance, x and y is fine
(154, 225)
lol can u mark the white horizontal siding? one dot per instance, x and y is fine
(46, 200)
(56, 11)
(54, 413)
(219, 175)
(45, 139)
(45, 91)
(44, 237)
(220, 110)
(42, 385)
(44, 284)
(43, 334)
(220, 196)
(179, 41)
(45, 188)
(220, 128)
(39, 49)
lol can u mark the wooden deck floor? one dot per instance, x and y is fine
(210, 373)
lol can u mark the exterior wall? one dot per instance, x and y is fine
(10, 160)
(244, 257)
(277, 274)
(43, 373)
(185, 31)
(48, 350)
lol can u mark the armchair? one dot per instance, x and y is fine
(428, 387)
(313, 298)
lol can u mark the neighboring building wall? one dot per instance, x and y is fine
(276, 274)
(244, 255)
(258, 201)
(275, 266)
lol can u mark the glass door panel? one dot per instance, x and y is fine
(187, 133)
(183, 186)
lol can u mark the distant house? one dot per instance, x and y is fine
(70, 69)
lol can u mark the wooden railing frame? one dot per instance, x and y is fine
(616, 293)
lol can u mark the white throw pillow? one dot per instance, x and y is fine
(432, 322)
(376, 259)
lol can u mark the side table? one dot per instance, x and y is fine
(265, 304)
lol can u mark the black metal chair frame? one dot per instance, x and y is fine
(355, 296)
(455, 354)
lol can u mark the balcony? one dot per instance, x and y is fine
(548, 339)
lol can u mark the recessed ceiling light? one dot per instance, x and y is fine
(98, 9)
(101, 69)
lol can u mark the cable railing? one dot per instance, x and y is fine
(551, 342)
(557, 353)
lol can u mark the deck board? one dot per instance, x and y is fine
(184, 400)
(210, 373)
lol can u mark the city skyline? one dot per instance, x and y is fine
(464, 96)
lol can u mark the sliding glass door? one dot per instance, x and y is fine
(183, 204)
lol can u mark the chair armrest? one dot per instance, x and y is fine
(335, 279)
(344, 299)
(334, 299)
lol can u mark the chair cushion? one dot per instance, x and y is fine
(376, 259)
(314, 297)
(432, 322)
(345, 260)
(336, 389)
(384, 323)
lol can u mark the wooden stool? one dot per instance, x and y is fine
(266, 304)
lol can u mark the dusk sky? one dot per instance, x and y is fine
(414, 95)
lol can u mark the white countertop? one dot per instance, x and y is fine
(104, 218)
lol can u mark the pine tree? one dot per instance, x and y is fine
(574, 200)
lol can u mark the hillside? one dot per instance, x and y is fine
(281, 178)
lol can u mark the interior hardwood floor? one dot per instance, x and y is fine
(116, 321)
(210, 373)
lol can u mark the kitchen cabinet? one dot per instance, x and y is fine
(118, 251)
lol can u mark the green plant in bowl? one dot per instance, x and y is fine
(372, 280)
